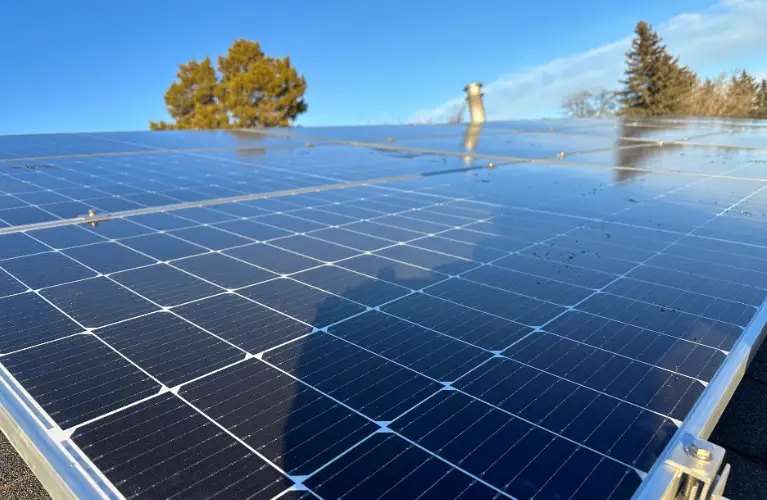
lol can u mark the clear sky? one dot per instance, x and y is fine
(95, 65)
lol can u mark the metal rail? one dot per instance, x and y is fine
(664, 480)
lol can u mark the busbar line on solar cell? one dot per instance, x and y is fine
(410, 344)
(162, 388)
(63, 434)
(154, 433)
(582, 442)
(732, 258)
(622, 378)
(539, 370)
(639, 352)
(737, 312)
(52, 425)
(383, 460)
(81, 367)
(521, 340)
(510, 459)
(726, 272)
(329, 331)
(272, 411)
(459, 467)
(590, 313)
(170, 347)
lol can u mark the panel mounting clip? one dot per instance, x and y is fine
(699, 462)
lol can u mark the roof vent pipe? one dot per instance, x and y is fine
(474, 98)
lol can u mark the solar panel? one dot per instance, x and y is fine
(215, 315)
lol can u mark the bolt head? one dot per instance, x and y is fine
(701, 451)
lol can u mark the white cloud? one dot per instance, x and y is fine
(708, 42)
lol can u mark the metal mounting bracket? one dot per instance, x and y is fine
(699, 462)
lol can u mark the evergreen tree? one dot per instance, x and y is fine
(191, 101)
(741, 94)
(259, 91)
(655, 83)
(760, 102)
(250, 90)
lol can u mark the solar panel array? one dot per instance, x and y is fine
(537, 330)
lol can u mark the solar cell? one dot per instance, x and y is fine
(242, 322)
(165, 285)
(273, 258)
(170, 349)
(291, 424)
(303, 302)
(28, 320)
(140, 450)
(81, 379)
(223, 271)
(47, 269)
(529, 331)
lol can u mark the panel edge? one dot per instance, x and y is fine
(663, 480)
(56, 471)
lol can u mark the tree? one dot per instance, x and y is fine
(760, 102)
(597, 103)
(741, 94)
(708, 98)
(655, 83)
(191, 100)
(604, 103)
(578, 104)
(259, 91)
(250, 90)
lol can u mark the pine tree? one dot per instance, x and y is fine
(655, 83)
(259, 91)
(760, 102)
(741, 94)
(249, 90)
(191, 101)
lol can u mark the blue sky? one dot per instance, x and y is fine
(95, 65)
